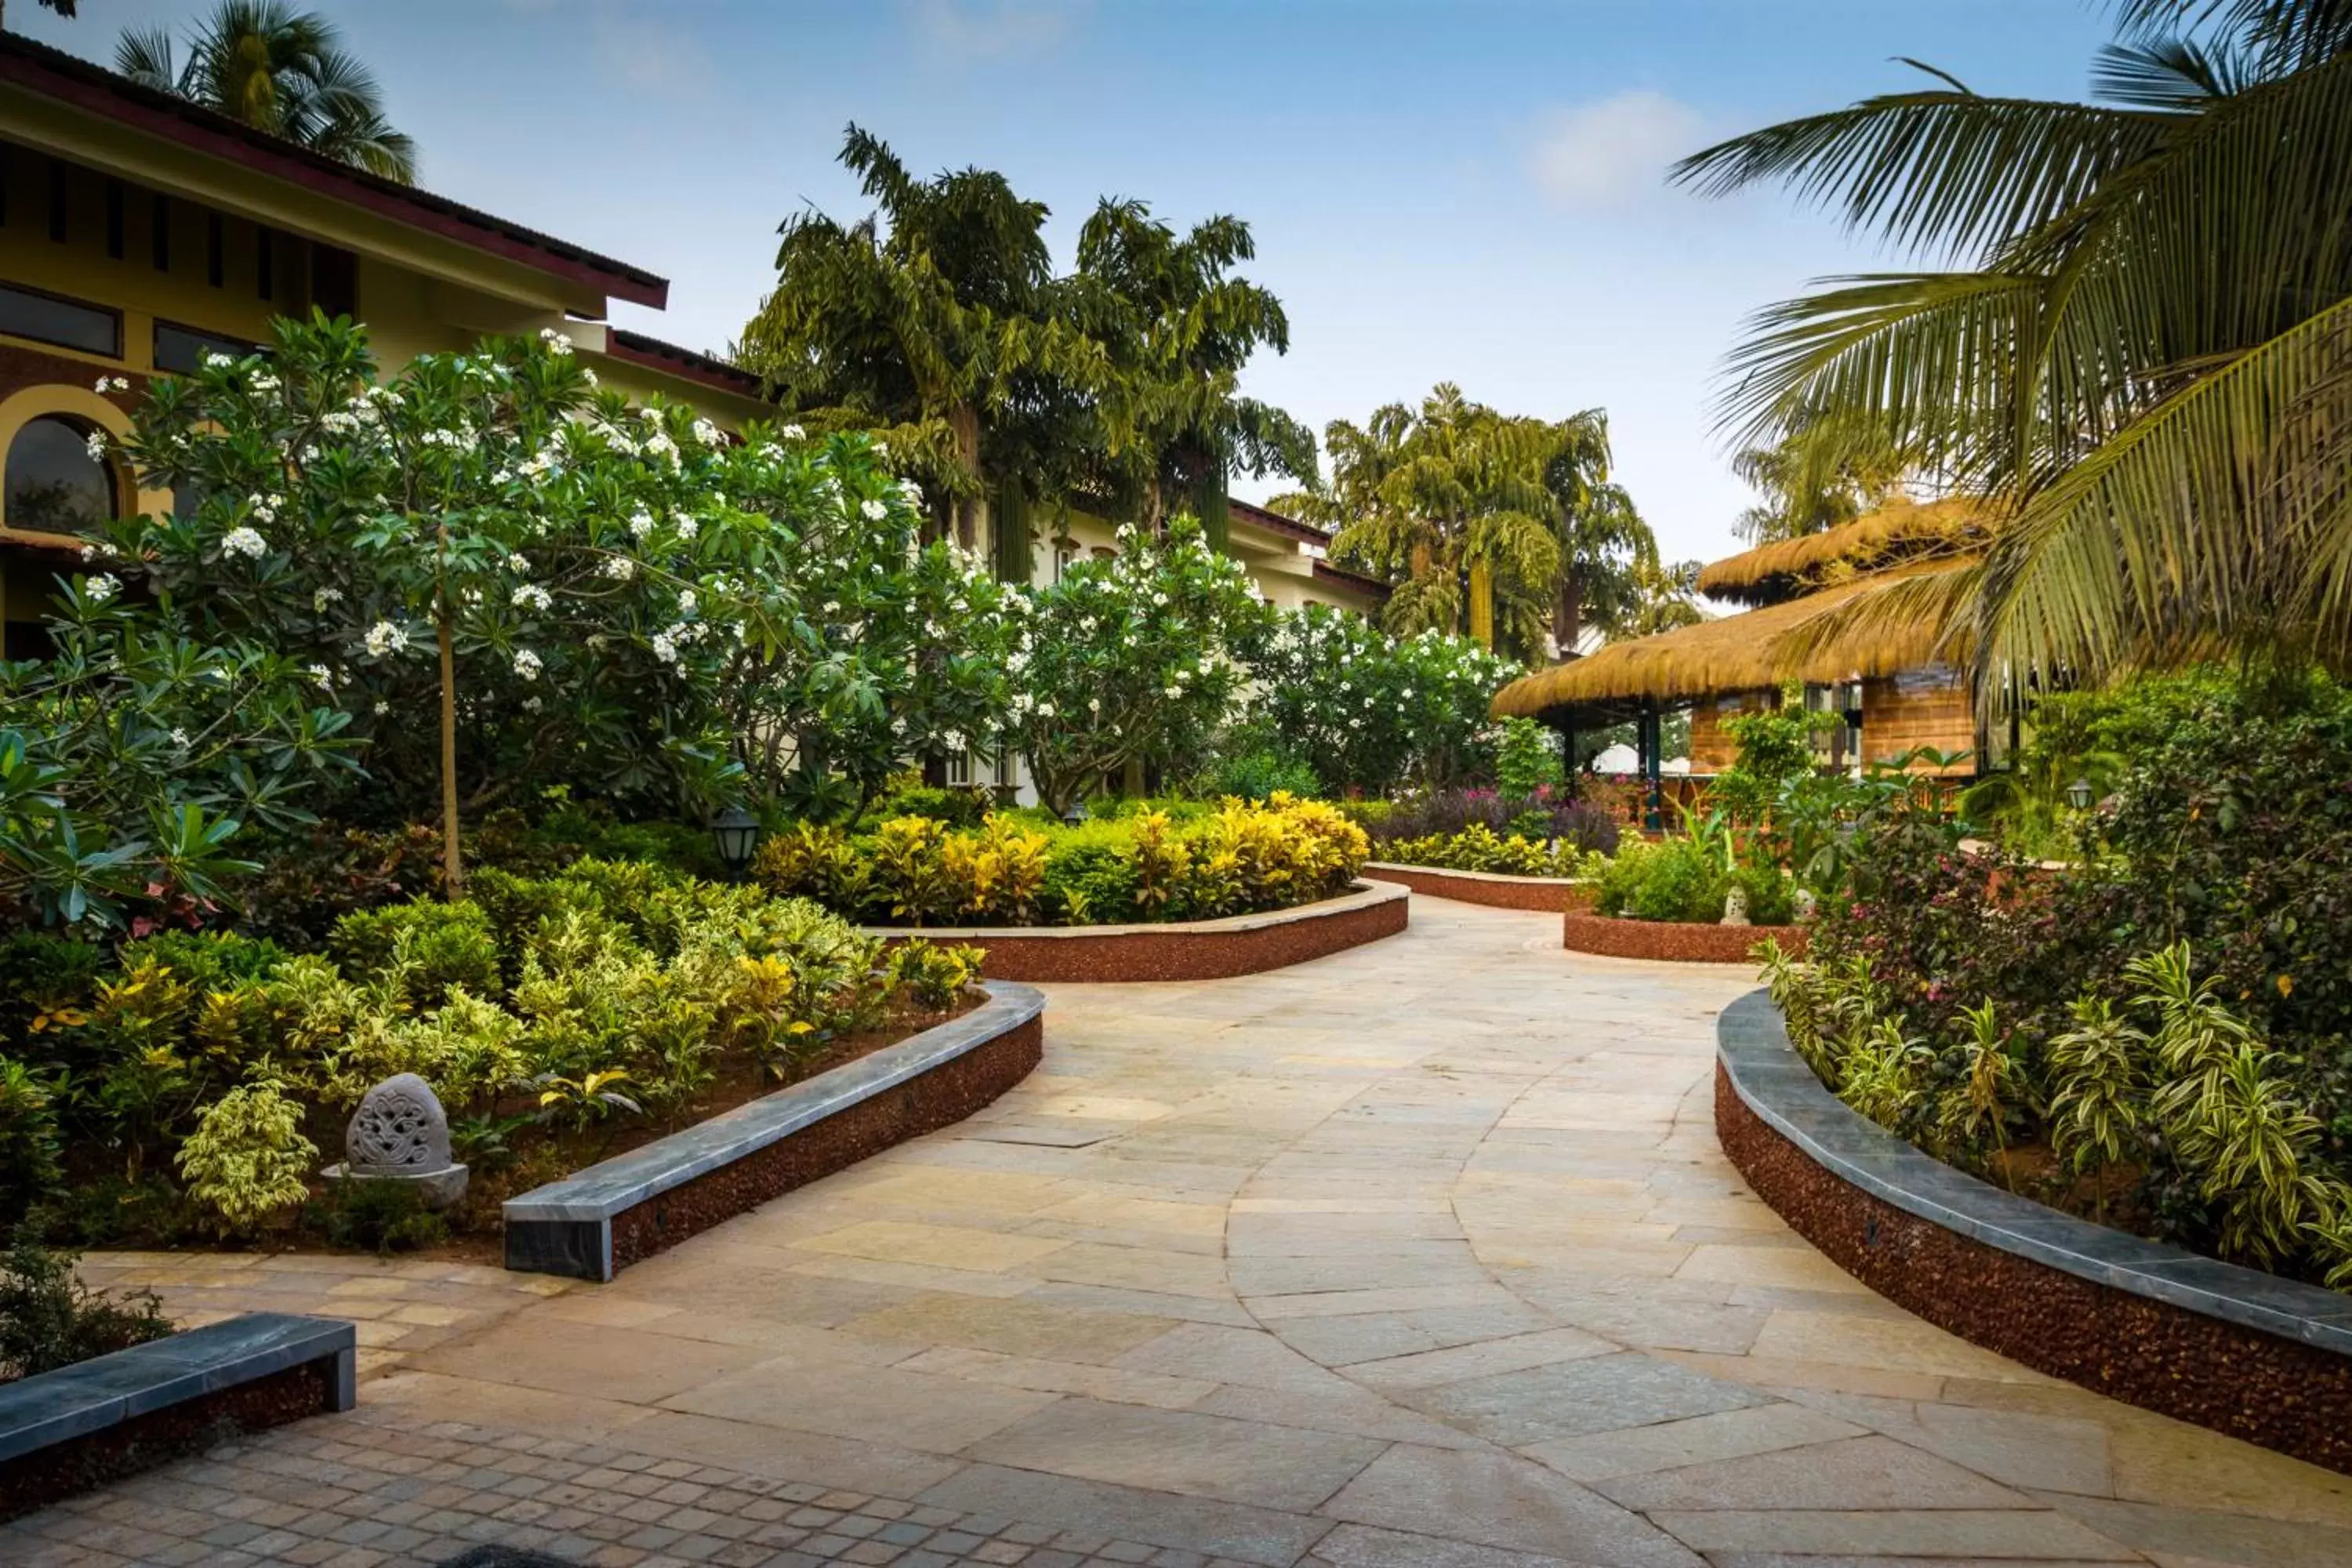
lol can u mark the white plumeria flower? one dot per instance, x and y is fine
(96, 446)
(101, 588)
(792, 433)
(384, 639)
(382, 707)
(530, 597)
(180, 738)
(516, 563)
(1093, 704)
(619, 568)
(641, 522)
(323, 676)
(323, 597)
(710, 434)
(526, 664)
(246, 542)
(873, 511)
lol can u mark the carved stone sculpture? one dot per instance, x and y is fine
(400, 1133)
(1735, 907)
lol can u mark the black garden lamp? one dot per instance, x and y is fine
(1076, 815)
(735, 833)
(2078, 795)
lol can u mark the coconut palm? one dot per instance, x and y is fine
(2138, 346)
(1177, 328)
(281, 70)
(936, 321)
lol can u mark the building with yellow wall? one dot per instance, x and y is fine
(139, 232)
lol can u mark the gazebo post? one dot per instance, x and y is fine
(1566, 727)
(1652, 740)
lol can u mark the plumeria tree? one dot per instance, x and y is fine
(1370, 710)
(1129, 661)
(618, 599)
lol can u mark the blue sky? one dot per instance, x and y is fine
(1467, 191)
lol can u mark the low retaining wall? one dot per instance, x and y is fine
(1180, 949)
(2243, 1352)
(80, 1426)
(597, 1222)
(1545, 895)
(1683, 940)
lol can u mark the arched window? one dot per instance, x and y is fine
(55, 485)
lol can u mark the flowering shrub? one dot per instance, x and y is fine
(1369, 711)
(619, 601)
(1129, 661)
(1150, 865)
(1445, 814)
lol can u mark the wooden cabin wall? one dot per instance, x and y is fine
(1927, 706)
(1712, 749)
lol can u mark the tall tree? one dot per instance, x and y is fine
(1177, 327)
(2139, 347)
(1817, 477)
(1502, 526)
(281, 70)
(936, 320)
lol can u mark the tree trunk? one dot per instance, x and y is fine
(453, 866)
(1567, 616)
(963, 423)
(1482, 603)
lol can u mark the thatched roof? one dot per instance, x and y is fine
(1746, 652)
(1901, 532)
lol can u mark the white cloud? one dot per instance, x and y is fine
(992, 28)
(654, 57)
(1606, 152)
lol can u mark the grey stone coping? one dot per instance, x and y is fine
(1512, 877)
(1765, 1071)
(614, 1186)
(1364, 894)
(89, 1396)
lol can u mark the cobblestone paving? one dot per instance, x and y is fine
(1422, 1254)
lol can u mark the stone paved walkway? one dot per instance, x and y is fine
(1423, 1254)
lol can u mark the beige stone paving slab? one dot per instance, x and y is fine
(2002, 1534)
(434, 1396)
(1867, 1472)
(1248, 1356)
(1362, 1546)
(1697, 1439)
(1895, 1346)
(1018, 1328)
(1133, 1268)
(1501, 1499)
(827, 1459)
(905, 1279)
(1253, 1462)
(1828, 1375)
(1481, 1358)
(1119, 1384)
(1800, 1268)
(910, 1410)
(936, 1246)
(626, 1365)
(1202, 1525)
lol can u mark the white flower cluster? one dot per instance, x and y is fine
(246, 542)
(710, 434)
(557, 342)
(325, 597)
(531, 596)
(96, 445)
(106, 383)
(619, 568)
(98, 590)
(384, 638)
(526, 664)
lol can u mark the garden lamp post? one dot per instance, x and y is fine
(1076, 813)
(2078, 795)
(735, 833)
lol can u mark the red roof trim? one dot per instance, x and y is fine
(637, 348)
(52, 73)
(1373, 585)
(1275, 522)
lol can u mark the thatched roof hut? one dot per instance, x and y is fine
(1902, 533)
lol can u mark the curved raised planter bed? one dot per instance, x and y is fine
(597, 1222)
(1545, 895)
(1682, 940)
(1180, 950)
(66, 1431)
(2258, 1357)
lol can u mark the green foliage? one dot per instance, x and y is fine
(425, 950)
(381, 1216)
(28, 1140)
(934, 976)
(1149, 864)
(49, 1319)
(1478, 848)
(1129, 660)
(1526, 759)
(1370, 711)
(1254, 764)
(1774, 750)
(247, 1161)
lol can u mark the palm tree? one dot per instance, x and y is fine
(2139, 346)
(1818, 475)
(281, 70)
(1504, 527)
(935, 320)
(1178, 327)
